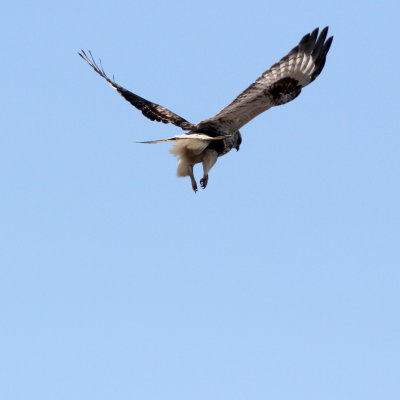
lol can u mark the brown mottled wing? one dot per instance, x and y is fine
(152, 111)
(278, 85)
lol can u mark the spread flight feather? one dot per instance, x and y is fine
(216, 136)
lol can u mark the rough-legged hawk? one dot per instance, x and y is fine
(209, 139)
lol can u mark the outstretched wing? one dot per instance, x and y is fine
(278, 85)
(152, 111)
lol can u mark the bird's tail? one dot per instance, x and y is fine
(187, 136)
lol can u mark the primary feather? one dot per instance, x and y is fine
(216, 136)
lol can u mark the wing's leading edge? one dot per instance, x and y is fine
(152, 111)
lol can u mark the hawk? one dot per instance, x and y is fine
(211, 138)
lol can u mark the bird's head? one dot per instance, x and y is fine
(238, 141)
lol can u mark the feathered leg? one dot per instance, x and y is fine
(185, 168)
(194, 184)
(209, 159)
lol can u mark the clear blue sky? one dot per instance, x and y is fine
(279, 281)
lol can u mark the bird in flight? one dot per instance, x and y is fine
(211, 138)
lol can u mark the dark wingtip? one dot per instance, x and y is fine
(325, 30)
(327, 45)
(82, 53)
(304, 39)
(314, 33)
(309, 45)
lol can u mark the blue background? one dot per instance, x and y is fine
(279, 281)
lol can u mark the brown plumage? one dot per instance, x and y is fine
(216, 136)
